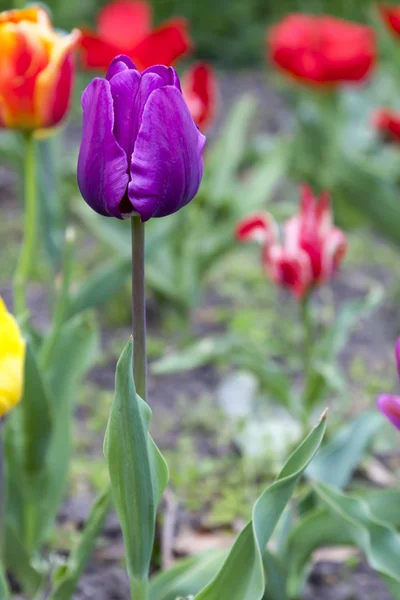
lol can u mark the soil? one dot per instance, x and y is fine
(105, 579)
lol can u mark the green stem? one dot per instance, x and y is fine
(139, 309)
(307, 333)
(29, 242)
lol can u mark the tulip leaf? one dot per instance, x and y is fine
(317, 529)
(18, 562)
(5, 593)
(188, 576)
(242, 575)
(227, 153)
(100, 286)
(50, 204)
(66, 582)
(338, 459)
(333, 342)
(73, 354)
(275, 577)
(379, 541)
(138, 472)
(384, 505)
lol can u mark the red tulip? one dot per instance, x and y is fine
(200, 90)
(124, 27)
(387, 122)
(311, 249)
(391, 16)
(322, 50)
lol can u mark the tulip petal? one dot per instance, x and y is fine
(258, 227)
(200, 91)
(167, 165)
(124, 23)
(118, 64)
(54, 84)
(289, 269)
(102, 164)
(12, 354)
(390, 407)
(130, 93)
(163, 46)
(168, 74)
(95, 52)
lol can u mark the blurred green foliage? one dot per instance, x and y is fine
(228, 32)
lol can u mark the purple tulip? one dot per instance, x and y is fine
(141, 152)
(388, 404)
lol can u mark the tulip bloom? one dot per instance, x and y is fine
(388, 404)
(391, 16)
(12, 356)
(322, 50)
(200, 90)
(36, 70)
(141, 153)
(124, 27)
(311, 249)
(387, 122)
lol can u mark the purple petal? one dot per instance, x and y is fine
(130, 93)
(390, 407)
(102, 163)
(167, 165)
(397, 352)
(119, 64)
(168, 74)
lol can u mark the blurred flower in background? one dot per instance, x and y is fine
(311, 249)
(388, 404)
(387, 123)
(36, 69)
(322, 50)
(391, 16)
(141, 152)
(12, 356)
(200, 90)
(125, 27)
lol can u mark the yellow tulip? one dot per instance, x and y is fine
(12, 357)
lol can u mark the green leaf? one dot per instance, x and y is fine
(65, 586)
(384, 505)
(338, 459)
(74, 353)
(50, 204)
(36, 413)
(138, 472)
(5, 593)
(101, 285)
(379, 541)
(198, 354)
(187, 576)
(332, 344)
(275, 577)
(242, 575)
(315, 530)
(227, 153)
(18, 562)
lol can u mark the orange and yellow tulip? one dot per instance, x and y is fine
(36, 70)
(12, 358)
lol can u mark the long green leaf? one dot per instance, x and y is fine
(66, 583)
(338, 459)
(73, 354)
(138, 472)
(379, 541)
(187, 576)
(242, 575)
(4, 589)
(18, 562)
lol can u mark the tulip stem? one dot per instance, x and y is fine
(139, 309)
(308, 333)
(29, 242)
